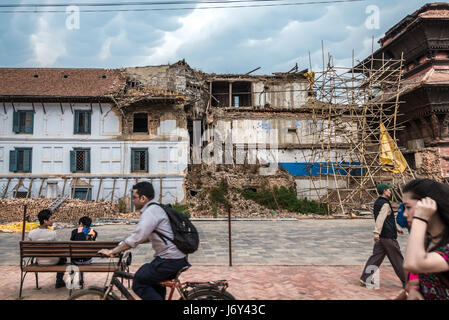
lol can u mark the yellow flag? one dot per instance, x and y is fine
(390, 156)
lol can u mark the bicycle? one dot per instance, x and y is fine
(211, 290)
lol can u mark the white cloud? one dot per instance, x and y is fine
(195, 27)
(221, 40)
(47, 43)
(105, 51)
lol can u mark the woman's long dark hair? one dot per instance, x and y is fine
(421, 188)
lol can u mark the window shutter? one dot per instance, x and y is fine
(13, 160)
(83, 126)
(87, 121)
(87, 159)
(29, 118)
(27, 158)
(146, 160)
(15, 122)
(133, 161)
(73, 161)
(75, 126)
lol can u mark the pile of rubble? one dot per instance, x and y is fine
(203, 178)
(70, 210)
(430, 165)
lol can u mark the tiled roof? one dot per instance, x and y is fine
(64, 82)
(427, 11)
(430, 76)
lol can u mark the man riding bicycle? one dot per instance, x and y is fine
(168, 258)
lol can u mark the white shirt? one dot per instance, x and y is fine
(154, 218)
(39, 234)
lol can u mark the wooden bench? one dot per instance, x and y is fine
(29, 250)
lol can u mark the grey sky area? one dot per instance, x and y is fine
(230, 40)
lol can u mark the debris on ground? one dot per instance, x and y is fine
(69, 211)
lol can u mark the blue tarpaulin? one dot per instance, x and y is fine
(305, 169)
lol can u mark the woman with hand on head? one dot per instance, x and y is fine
(427, 210)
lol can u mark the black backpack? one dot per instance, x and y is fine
(185, 235)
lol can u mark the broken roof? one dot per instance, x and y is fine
(60, 82)
(277, 75)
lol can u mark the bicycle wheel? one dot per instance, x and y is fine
(209, 294)
(91, 293)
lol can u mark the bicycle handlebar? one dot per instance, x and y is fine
(124, 275)
(107, 256)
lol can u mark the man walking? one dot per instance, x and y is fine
(168, 258)
(385, 237)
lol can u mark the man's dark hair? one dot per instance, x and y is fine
(144, 188)
(44, 215)
(85, 221)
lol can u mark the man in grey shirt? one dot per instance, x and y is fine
(168, 258)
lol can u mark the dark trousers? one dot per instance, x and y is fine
(147, 278)
(60, 275)
(390, 248)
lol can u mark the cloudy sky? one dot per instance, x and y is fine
(229, 40)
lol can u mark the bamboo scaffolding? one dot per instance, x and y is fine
(345, 135)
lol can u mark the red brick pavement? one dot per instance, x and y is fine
(250, 282)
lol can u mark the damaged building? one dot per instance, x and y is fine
(275, 123)
(422, 40)
(93, 133)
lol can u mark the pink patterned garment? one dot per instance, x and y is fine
(430, 284)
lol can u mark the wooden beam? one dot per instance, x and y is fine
(34, 109)
(13, 106)
(99, 188)
(71, 109)
(210, 94)
(40, 188)
(43, 108)
(230, 94)
(63, 188)
(4, 106)
(101, 110)
(62, 109)
(113, 189)
(6, 189)
(252, 94)
(126, 187)
(29, 188)
(18, 186)
(74, 187)
(88, 188)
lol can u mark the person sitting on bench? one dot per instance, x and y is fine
(43, 233)
(84, 232)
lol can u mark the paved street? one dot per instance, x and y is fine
(304, 259)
